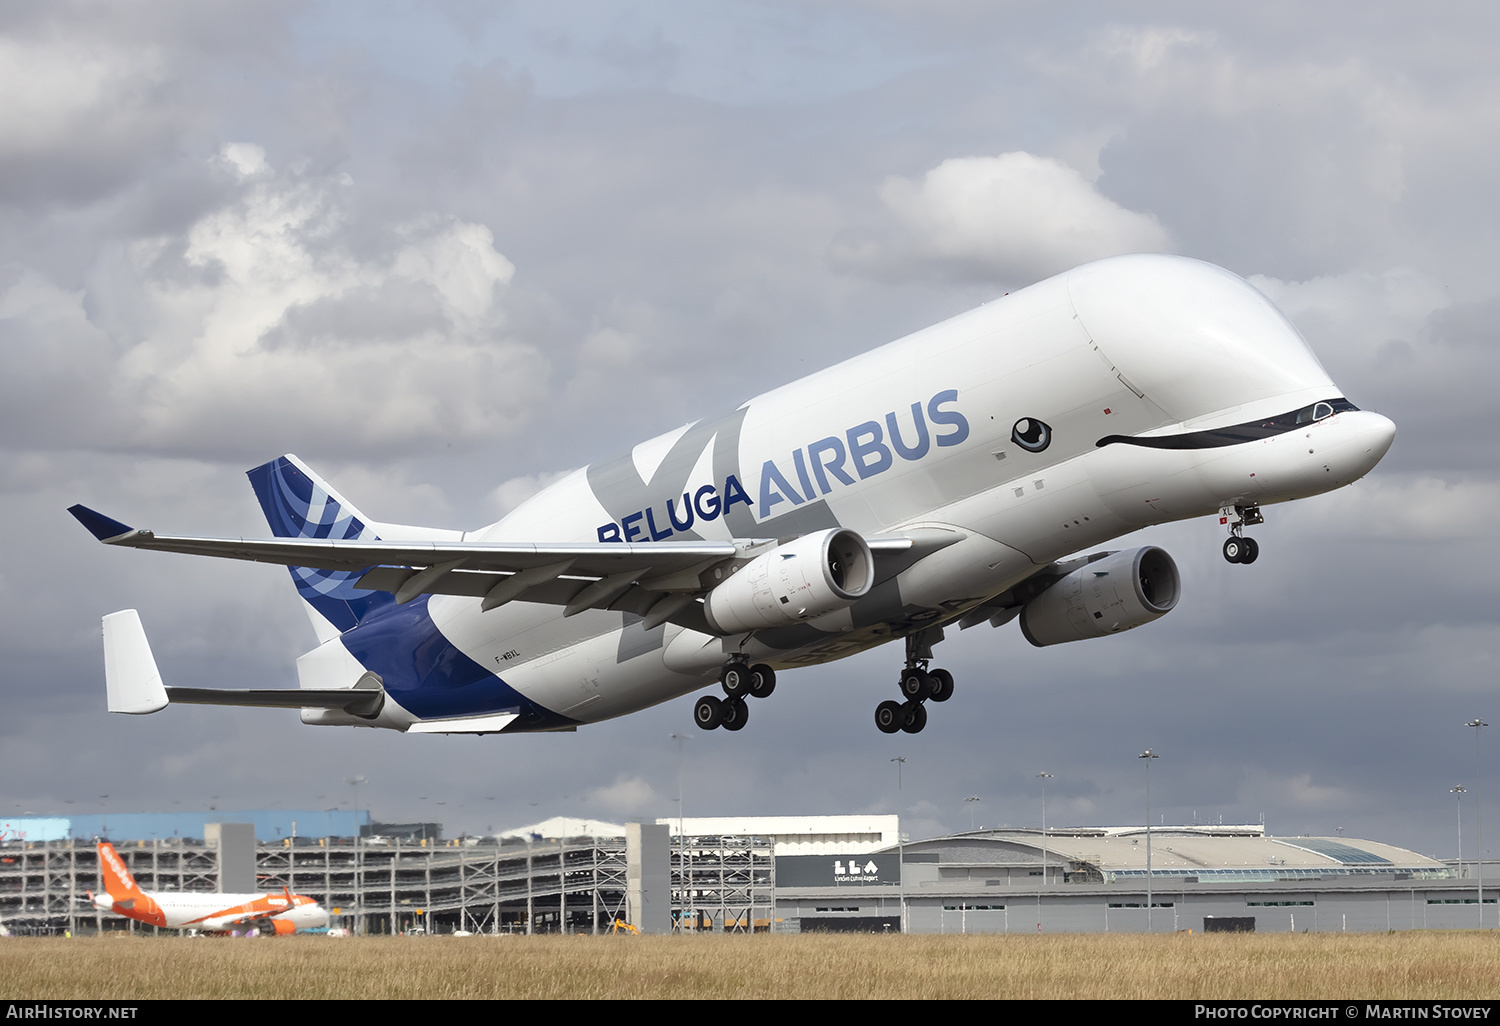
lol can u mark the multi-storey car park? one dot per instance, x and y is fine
(786, 874)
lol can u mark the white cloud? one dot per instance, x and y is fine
(246, 158)
(265, 327)
(1013, 217)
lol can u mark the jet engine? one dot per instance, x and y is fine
(797, 580)
(1113, 594)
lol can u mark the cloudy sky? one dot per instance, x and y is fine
(444, 251)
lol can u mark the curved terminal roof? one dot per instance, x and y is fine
(1208, 853)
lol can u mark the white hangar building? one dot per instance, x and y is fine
(1094, 879)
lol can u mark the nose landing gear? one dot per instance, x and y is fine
(1238, 548)
(918, 684)
(1241, 550)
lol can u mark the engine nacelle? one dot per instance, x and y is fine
(799, 580)
(1109, 595)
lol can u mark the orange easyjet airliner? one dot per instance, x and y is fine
(214, 913)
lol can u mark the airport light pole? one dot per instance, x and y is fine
(681, 848)
(1148, 755)
(1459, 791)
(971, 801)
(900, 761)
(1476, 723)
(901, 870)
(359, 876)
(1044, 777)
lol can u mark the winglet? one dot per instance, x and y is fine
(100, 526)
(130, 674)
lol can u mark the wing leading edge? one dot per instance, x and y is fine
(660, 581)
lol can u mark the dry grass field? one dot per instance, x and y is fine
(1182, 966)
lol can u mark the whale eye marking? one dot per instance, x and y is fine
(1031, 434)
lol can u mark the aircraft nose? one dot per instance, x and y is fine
(1377, 433)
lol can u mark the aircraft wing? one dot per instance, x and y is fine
(660, 581)
(593, 559)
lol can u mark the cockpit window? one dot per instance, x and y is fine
(1238, 433)
(1315, 412)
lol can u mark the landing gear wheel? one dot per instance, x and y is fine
(708, 713)
(1251, 551)
(762, 681)
(735, 714)
(916, 717)
(916, 683)
(942, 685)
(1235, 549)
(889, 716)
(735, 679)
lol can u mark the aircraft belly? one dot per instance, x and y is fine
(504, 639)
(588, 667)
(588, 682)
(429, 672)
(962, 574)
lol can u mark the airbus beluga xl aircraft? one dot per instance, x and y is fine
(964, 474)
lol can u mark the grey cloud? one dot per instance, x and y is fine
(670, 257)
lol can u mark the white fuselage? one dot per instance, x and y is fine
(216, 912)
(918, 434)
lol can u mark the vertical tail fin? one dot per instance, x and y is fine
(113, 874)
(122, 895)
(299, 504)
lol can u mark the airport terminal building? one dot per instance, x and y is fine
(1094, 879)
(784, 874)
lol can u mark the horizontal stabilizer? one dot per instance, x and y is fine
(130, 675)
(134, 683)
(359, 700)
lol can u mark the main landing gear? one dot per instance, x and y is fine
(918, 684)
(738, 679)
(1238, 548)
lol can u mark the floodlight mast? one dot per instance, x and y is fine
(1044, 777)
(1476, 723)
(682, 875)
(359, 872)
(1459, 790)
(1148, 755)
(900, 761)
